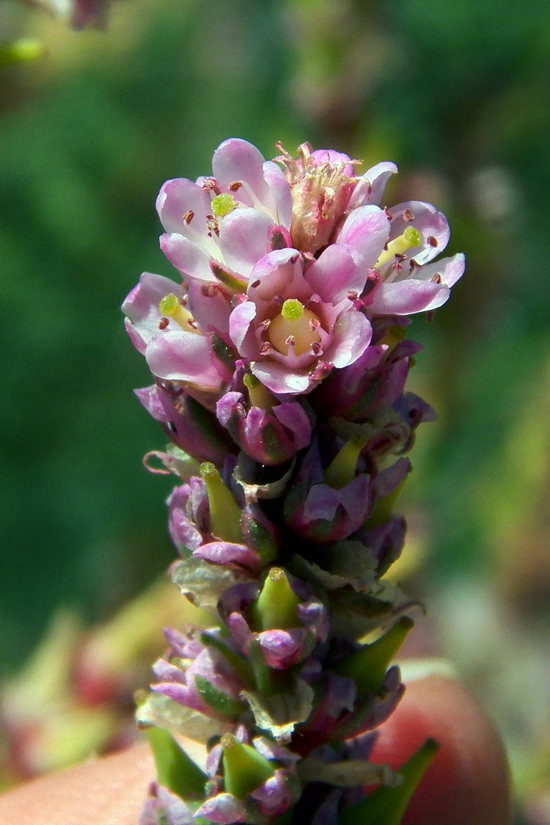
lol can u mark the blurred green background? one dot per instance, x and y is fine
(457, 95)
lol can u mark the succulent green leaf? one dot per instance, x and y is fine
(277, 604)
(368, 666)
(386, 806)
(244, 769)
(175, 769)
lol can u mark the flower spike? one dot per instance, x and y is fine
(280, 360)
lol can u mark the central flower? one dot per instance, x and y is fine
(297, 320)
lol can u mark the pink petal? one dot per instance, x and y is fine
(238, 160)
(408, 297)
(367, 229)
(187, 257)
(178, 197)
(279, 379)
(280, 188)
(182, 356)
(352, 335)
(448, 269)
(244, 238)
(209, 307)
(337, 271)
(370, 187)
(239, 323)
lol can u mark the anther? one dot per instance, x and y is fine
(265, 349)
(408, 215)
(235, 185)
(432, 241)
(211, 184)
(188, 217)
(437, 279)
(163, 323)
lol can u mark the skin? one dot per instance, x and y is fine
(468, 781)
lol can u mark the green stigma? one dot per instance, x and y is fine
(168, 305)
(292, 309)
(412, 236)
(222, 205)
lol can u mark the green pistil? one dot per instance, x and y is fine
(222, 205)
(343, 468)
(386, 806)
(292, 309)
(411, 237)
(277, 605)
(225, 513)
(170, 307)
(244, 769)
(368, 666)
(258, 395)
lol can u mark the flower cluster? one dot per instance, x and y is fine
(280, 360)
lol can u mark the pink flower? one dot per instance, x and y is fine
(297, 322)
(330, 204)
(227, 219)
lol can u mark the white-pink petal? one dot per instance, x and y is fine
(337, 271)
(370, 186)
(366, 229)
(352, 334)
(182, 356)
(277, 378)
(187, 257)
(280, 187)
(408, 297)
(238, 160)
(239, 323)
(178, 197)
(449, 270)
(244, 238)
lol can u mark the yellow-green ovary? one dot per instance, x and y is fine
(294, 321)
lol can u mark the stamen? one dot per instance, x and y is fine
(188, 217)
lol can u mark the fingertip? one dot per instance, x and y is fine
(468, 781)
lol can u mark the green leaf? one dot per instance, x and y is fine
(175, 769)
(368, 666)
(386, 806)
(244, 769)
